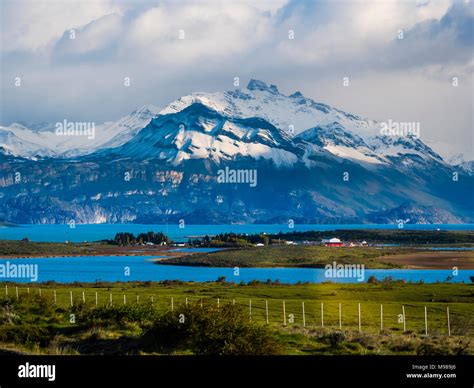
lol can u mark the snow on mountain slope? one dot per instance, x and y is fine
(45, 142)
(341, 134)
(334, 139)
(11, 144)
(292, 114)
(296, 113)
(410, 148)
(467, 167)
(457, 159)
(117, 133)
(199, 132)
(353, 154)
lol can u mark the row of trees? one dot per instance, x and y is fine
(126, 238)
(230, 239)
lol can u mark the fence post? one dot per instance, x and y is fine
(381, 317)
(304, 317)
(70, 294)
(172, 304)
(266, 310)
(55, 297)
(16, 290)
(250, 310)
(83, 297)
(449, 325)
(124, 299)
(28, 290)
(284, 314)
(186, 302)
(233, 301)
(404, 319)
(426, 322)
(152, 299)
(138, 299)
(218, 304)
(360, 325)
(201, 302)
(110, 299)
(322, 314)
(6, 289)
(340, 317)
(96, 299)
(39, 291)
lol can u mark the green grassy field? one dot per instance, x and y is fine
(291, 256)
(13, 247)
(310, 336)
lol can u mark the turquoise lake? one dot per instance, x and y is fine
(112, 268)
(141, 268)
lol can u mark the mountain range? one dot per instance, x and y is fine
(313, 163)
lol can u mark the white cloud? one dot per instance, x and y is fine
(33, 25)
(249, 39)
(97, 35)
(210, 32)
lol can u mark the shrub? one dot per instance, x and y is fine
(26, 334)
(430, 349)
(209, 330)
(372, 280)
(336, 338)
(121, 314)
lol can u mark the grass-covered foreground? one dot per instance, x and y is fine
(222, 318)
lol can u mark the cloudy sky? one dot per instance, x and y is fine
(408, 79)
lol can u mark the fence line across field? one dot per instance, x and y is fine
(268, 309)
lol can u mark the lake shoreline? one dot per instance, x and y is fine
(434, 260)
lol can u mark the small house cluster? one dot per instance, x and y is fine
(335, 242)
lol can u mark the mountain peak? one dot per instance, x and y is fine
(296, 95)
(147, 108)
(255, 84)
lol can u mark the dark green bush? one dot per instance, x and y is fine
(373, 280)
(121, 314)
(209, 330)
(336, 338)
(26, 334)
(431, 349)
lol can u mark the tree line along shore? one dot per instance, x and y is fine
(383, 249)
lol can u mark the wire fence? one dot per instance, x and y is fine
(430, 318)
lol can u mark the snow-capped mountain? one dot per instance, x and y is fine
(467, 167)
(336, 140)
(182, 131)
(314, 163)
(11, 144)
(456, 159)
(19, 140)
(295, 114)
(292, 114)
(199, 132)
